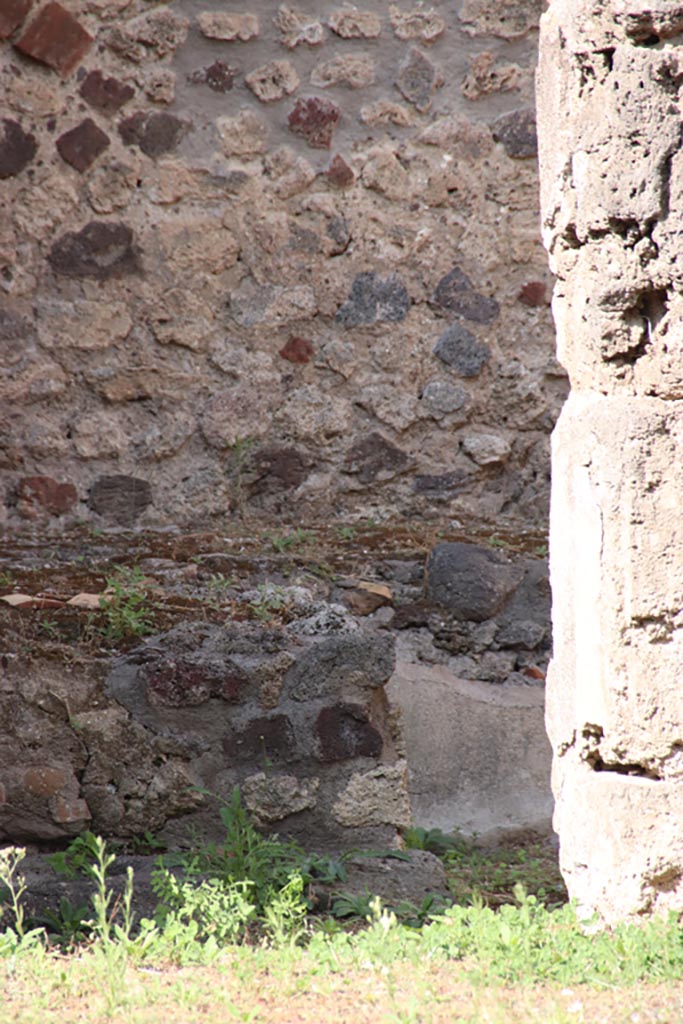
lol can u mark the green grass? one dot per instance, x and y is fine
(236, 919)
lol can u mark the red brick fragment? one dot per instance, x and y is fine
(297, 350)
(42, 780)
(83, 144)
(316, 120)
(54, 497)
(12, 13)
(55, 38)
(533, 294)
(339, 173)
(105, 94)
(69, 811)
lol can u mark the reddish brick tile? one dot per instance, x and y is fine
(83, 144)
(12, 13)
(55, 38)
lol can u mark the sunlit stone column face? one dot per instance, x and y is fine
(610, 126)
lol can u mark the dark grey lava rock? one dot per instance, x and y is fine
(517, 132)
(458, 348)
(373, 299)
(341, 665)
(472, 582)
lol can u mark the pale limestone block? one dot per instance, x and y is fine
(377, 797)
(228, 27)
(242, 135)
(356, 71)
(273, 81)
(420, 23)
(350, 23)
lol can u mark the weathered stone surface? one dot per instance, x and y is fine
(533, 293)
(425, 25)
(150, 36)
(451, 726)
(344, 731)
(471, 581)
(614, 701)
(121, 498)
(517, 132)
(315, 119)
(105, 94)
(374, 299)
(297, 28)
(459, 349)
(297, 350)
(17, 148)
(111, 186)
(154, 133)
(56, 38)
(418, 79)
(486, 76)
(219, 76)
(268, 737)
(486, 449)
(377, 797)
(228, 27)
(56, 498)
(99, 250)
(339, 173)
(12, 14)
(456, 293)
(82, 145)
(508, 21)
(272, 798)
(353, 70)
(272, 81)
(375, 458)
(342, 666)
(242, 135)
(350, 23)
(441, 398)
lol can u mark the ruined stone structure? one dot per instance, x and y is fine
(274, 263)
(612, 197)
(284, 261)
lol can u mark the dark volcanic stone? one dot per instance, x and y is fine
(17, 148)
(418, 79)
(339, 173)
(344, 731)
(456, 293)
(12, 13)
(83, 144)
(458, 347)
(278, 468)
(155, 133)
(374, 456)
(441, 483)
(269, 738)
(101, 250)
(315, 119)
(174, 682)
(54, 497)
(374, 299)
(517, 132)
(121, 498)
(219, 76)
(55, 38)
(105, 94)
(472, 582)
(330, 667)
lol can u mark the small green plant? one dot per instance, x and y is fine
(346, 532)
(77, 857)
(284, 542)
(14, 884)
(271, 600)
(6, 581)
(348, 904)
(433, 840)
(49, 628)
(70, 925)
(125, 605)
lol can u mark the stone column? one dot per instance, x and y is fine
(609, 91)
